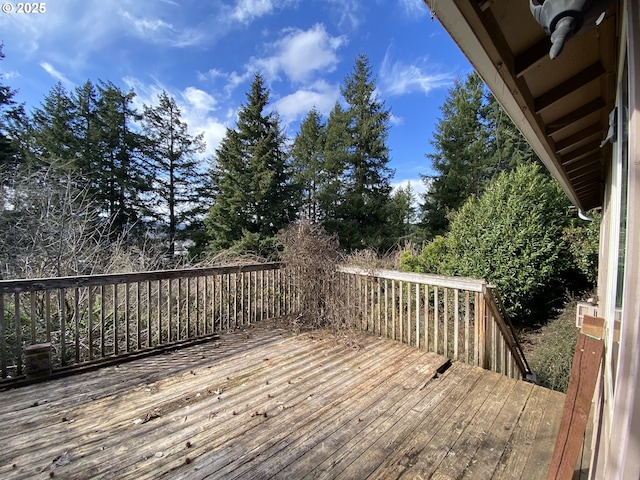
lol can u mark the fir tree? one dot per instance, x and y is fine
(11, 115)
(363, 211)
(475, 140)
(124, 177)
(461, 157)
(253, 196)
(307, 156)
(172, 155)
(53, 130)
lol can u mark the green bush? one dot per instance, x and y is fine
(512, 237)
(583, 240)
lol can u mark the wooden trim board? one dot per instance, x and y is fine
(584, 375)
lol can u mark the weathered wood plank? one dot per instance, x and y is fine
(515, 456)
(332, 411)
(582, 383)
(539, 458)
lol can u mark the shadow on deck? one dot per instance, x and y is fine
(265, 404)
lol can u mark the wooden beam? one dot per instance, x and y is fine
(588, 75)
(531, 56)
(579, 153)
(556, 126)
(581, 136)
(582, 383)
(596, 158)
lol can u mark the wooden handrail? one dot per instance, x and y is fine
(510, 331)
(85, 318)
(32, 285)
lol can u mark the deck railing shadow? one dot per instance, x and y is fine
(88, 318)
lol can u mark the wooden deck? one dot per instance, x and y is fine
(264, 403)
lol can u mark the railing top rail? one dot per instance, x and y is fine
(505, 321)
(31, 285)
(460, 283)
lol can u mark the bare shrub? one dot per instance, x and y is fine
(312, 257)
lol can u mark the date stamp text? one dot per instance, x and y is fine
(24, 8)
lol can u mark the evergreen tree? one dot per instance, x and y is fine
(253, 197)
(475, 140)
(11, 114)
(362, 214)
(336, 150)
(172, 155)
(307, 156)
(461, 159)
(403, 212)
(509, 147)
(124, 177)
(53, 130)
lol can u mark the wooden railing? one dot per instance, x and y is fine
(89, 318)
(92, 317)
(460, 318)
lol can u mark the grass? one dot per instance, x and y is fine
(550, 349)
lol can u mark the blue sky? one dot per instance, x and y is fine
(204, 53)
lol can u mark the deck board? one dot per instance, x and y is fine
(264, 403)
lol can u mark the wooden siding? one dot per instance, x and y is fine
(262, 403)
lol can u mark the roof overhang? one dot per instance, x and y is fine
(561, 106)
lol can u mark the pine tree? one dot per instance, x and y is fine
(253, 196)
(172, 155)
(364, 210)
(403, 212)
(307, 155)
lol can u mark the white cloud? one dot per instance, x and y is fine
(418, 188)
(50, 69)
(396, 120)
(348, 12)
(10, 74)
(300, 53)
(414, 8)
(199, 100)
(211, 74)
(320, 96)
(196, 107)
(399, 78)
(155, 30)
(247, 10)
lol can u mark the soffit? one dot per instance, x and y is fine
(562, 106)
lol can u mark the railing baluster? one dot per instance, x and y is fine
(62, 314)
(417, 315)
(138, 316)
(467, 317)
(456, 327)
(18, 325)
(3, 341)
(115, 320)
(436, 319)
(149, 311)
(47, 314)
(446, 322)
(127, 325)
(426, 318)
(76, 313)
(33, 317)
